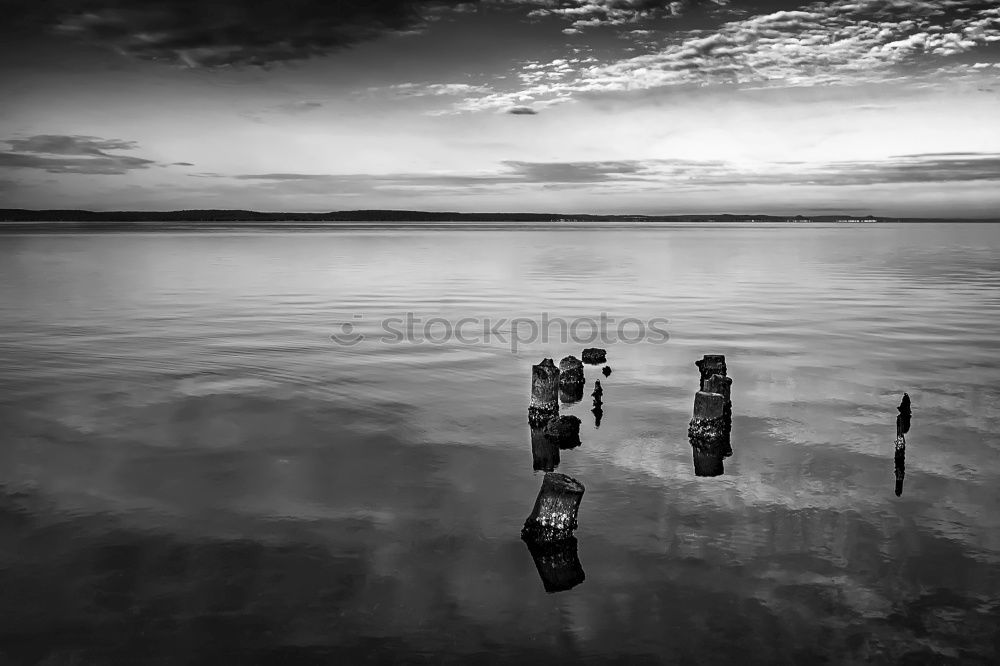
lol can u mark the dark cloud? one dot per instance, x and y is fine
(62, 144)
(299, 107)
(652, 174)
(574, 172)
(211, 33)
(58, 153)
(522, 111)
(181, 164)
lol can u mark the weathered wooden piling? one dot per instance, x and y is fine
(544, 451)
(571, 380)
(606, 370)
(544, 392)
(595, 356)
(554, 515)
(558, 563)
(711, 423)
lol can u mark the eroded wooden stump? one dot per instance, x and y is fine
(554, 515)
(595, 356)
(711, 424)
(544, 392)
(564, 431)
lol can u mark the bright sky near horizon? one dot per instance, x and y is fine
(887, 107)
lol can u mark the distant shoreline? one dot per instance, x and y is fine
(16, 218)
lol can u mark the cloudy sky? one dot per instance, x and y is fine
(867, 106)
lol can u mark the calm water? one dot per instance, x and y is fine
(193, 472)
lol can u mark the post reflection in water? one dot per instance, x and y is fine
(544, 450)
(902, 427)
(558, 563)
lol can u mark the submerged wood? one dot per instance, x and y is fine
(544, 391)
(554, 515)
(558, 563)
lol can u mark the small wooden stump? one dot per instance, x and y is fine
(595, 356)
(555, 512)
(571, 371)
(571, 380)
(558, 563)
(564, 431)
(544, 392)
(606, 371)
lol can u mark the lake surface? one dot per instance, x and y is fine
(193, 471)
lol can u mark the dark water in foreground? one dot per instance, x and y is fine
(192, 472)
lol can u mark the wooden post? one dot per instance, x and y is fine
(595, 356)
(564, 431)
(554, 515)
(544, 392)
(711, 424)
(571, 380)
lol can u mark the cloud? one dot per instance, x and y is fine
(823, 43)
(593, 13)
(652, 175)
(58, 153)
(202, 33)
(522, 111)
(298, 107)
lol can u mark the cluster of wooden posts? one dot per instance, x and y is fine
(548, 531)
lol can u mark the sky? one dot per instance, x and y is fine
(884, 107)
